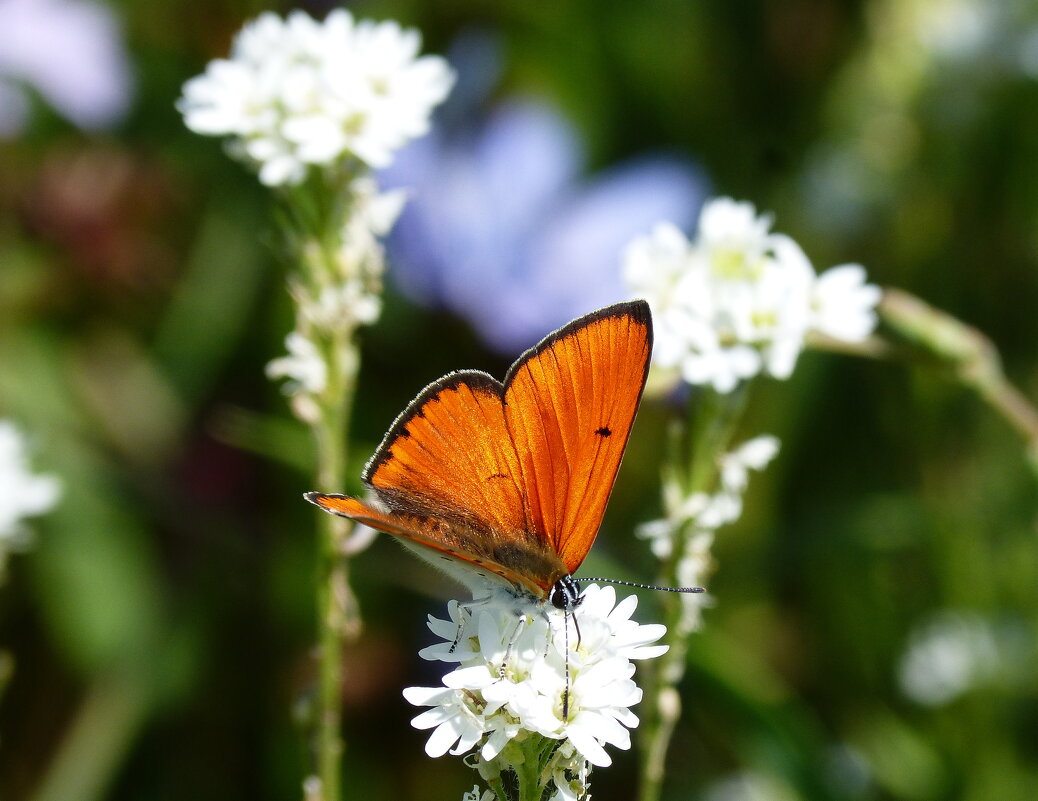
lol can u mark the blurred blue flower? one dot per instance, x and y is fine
(71, 53)
(501, 229)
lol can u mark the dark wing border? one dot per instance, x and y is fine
(638, 310)
(476, 379)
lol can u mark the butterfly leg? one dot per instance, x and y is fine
(520, 624)
(467, 606)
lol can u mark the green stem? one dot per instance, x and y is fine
(338, 615)
(498, 786)
(973, 358)
(99, 736)
(692, 464)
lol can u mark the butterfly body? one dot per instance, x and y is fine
(505, 483)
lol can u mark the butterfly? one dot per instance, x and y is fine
(505, 483)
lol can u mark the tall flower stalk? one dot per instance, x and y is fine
(314, 107)
(736, 302)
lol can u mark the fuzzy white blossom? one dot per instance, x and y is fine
(519, 674)
(304, 366)
(347, 291)
(750, 786)
(739, 300)
(843, 304)
(296, 92)
(336, 295)
(947, 656)
(22, 493)
(691, 520)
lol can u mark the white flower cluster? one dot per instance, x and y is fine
(296, 92)
(951, 654)
(699, 515)
(22, 493)
(510, 682)
(740, 300)
(340, 296)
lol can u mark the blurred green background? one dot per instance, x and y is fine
(876, 618)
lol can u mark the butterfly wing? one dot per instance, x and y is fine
(569, 406)
(441, 542)
(449, 458)
(514, 476)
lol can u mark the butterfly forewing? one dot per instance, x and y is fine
(449, 458)
(450, 452)
(569, 407)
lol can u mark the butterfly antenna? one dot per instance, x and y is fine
(640, 586)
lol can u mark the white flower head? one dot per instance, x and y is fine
(843, 305)
(739, 300)
(733, 238)
(754, 454)
(520, 671)
(750, 786)
(296, 92)
(22, 493)
(692, 519)
(304, 366)
(475, 795)
(948, 656)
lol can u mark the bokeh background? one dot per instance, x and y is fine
(876, 618)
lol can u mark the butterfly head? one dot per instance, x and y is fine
(565, 594)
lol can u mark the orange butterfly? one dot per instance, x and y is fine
(506, 483)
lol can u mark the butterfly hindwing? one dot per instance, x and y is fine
(441, 539)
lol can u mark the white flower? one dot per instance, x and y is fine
(733, 238)
(750, 786)
(22, 494)
(740, 300)
(361, 255)
(303, 366)
(475, 795)
(297, 92)
(511, 681)
(948, 656)
(754, 454)
(843, 305)
(654, 267)
(691, 520)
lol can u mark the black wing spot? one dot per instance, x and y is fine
(496, 475)
(604, 431)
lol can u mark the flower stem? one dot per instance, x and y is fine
(338, 614)
(319, 222)
(972, 357)
(692, 465)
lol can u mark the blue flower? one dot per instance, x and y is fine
(71, 52)
(502, 229)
